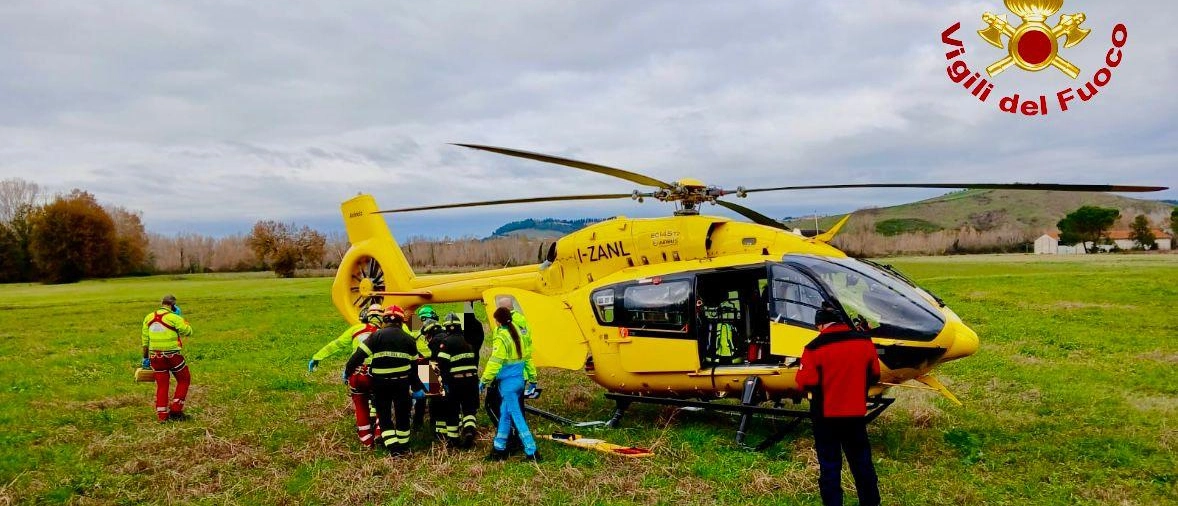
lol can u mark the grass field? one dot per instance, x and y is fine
(1072, 399)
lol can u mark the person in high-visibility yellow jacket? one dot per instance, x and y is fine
(162, 330)
(511, 366)
(359, 385)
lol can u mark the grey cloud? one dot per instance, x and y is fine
(268, 112)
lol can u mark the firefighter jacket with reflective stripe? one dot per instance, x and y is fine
(838, 367)
(454, 355)
(162, 330)
(347, 341)
(503, 353)
(393, 356)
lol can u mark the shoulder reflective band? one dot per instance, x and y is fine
(364, 347)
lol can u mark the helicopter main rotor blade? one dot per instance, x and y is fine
(603, 196)
(752, 215)
(592, 167)
(978, 186)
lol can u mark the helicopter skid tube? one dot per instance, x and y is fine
(875, 406)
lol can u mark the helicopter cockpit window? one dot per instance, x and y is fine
(603, 305)
(664, 306)
(879, 304)
(795, 297)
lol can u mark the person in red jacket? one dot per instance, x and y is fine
(837, 368)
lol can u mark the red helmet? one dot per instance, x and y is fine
(394, 311)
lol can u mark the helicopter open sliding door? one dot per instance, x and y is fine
(794, 298)
(556, 337)
(655, 316)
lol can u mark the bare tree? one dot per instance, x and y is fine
(16, 193)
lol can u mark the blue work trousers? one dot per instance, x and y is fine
(511, 386)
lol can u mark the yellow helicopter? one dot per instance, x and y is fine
(686, 309)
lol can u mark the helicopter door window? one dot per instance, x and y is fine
(879, 304)
(603, 305)
(659, 308)
(795, 297)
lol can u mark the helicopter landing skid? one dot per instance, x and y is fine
(564, 420)
(746, 409)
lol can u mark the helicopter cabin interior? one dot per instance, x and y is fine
(721, 311)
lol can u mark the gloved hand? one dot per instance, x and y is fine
(344, 375)
(419, 394)
(530, 391)
(312, 365)
(147, 363)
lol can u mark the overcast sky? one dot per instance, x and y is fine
(209, 115)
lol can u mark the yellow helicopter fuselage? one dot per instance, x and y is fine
(648, 302)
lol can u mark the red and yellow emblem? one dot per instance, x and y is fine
(1033, 45)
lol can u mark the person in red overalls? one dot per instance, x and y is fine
(359, 385)
(162, 330)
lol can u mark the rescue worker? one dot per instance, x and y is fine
(837, 368)
(458, 367)
(429, 325)
(392, 354)
(162, 330)
(511, 365)
(359, 384)
(493, 400)
(440, 405)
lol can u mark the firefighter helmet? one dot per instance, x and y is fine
(452, 322)
(427, 312)
(394, 312)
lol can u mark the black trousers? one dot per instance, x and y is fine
(391, 399)
(464, 400)
(834, 437)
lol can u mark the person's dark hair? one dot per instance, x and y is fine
(169, 300)
(826, 315)
(503, 316)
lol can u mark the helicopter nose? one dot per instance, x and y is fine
(965, 342)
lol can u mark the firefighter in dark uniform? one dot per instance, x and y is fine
(394, 377)
(439, 405)
(458, 365)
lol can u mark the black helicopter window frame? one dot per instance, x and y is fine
(817, 287)
(622, 317)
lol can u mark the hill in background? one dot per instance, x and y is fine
(990, 209)
(973, 221)
(544, 228)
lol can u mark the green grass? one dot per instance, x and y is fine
(1071, 400)
(899, 226)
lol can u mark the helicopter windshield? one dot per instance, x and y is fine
(880, 304)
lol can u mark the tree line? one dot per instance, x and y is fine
(72, 236)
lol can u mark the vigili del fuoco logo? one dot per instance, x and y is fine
(1032, 45)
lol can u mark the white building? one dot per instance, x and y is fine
(1122, 240)
(1048, 244)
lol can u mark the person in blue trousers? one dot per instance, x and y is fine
(511, 365)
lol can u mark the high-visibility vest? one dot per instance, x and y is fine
(162, 330)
